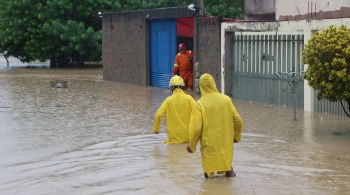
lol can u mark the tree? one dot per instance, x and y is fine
(64, 31)
(69, 31)
(328, 56)
(226, 8)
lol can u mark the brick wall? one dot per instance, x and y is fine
(209, 47)
(124, 40)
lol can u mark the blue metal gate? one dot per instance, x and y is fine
(163, 51)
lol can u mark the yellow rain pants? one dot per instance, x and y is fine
(216, 123)
(178, 108)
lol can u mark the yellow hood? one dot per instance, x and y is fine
(207, 84)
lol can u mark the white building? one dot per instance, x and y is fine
(271, 40)
(15, 62)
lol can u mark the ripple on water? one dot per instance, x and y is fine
(94, 137)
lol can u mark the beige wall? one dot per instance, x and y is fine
(302, 8)
(308, 26)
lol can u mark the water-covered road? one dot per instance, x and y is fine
(94, 137)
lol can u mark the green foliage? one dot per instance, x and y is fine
(61, 29)
(341, 133)
(328, 56)
(227, 8)
(127, 5)
(52, 29)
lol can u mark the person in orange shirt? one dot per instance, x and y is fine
(183, 65)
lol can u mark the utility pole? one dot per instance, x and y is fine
(200, 4)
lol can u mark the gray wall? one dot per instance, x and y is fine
(209, 45)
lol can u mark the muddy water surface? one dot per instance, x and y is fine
(94, 137)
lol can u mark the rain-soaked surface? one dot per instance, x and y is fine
(94, 137)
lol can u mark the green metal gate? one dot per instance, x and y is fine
(257, 57)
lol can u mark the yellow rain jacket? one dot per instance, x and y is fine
(216, 123)
(178, 108)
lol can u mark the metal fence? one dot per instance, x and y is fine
(257, 57)
(328, 107)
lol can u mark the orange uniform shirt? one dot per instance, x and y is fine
(183, 66)
(183, 62)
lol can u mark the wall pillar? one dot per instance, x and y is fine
(308, 95)
(308, 91)
(222, 61)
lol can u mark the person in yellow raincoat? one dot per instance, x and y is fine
(216, 123)
(178, 108)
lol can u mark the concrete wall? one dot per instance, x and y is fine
(209, 48)
(259, 9)
(125, 43)
(296, 9)
(312, 9)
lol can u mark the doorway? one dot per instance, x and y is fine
(162, 50)
(165, 35)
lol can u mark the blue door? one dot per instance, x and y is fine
(163, 51)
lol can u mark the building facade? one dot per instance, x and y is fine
(139, 47)
(253, 52)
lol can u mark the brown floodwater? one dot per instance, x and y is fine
(95, 137)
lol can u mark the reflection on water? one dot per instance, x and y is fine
(94, 137)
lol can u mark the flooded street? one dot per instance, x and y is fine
(95, 137)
